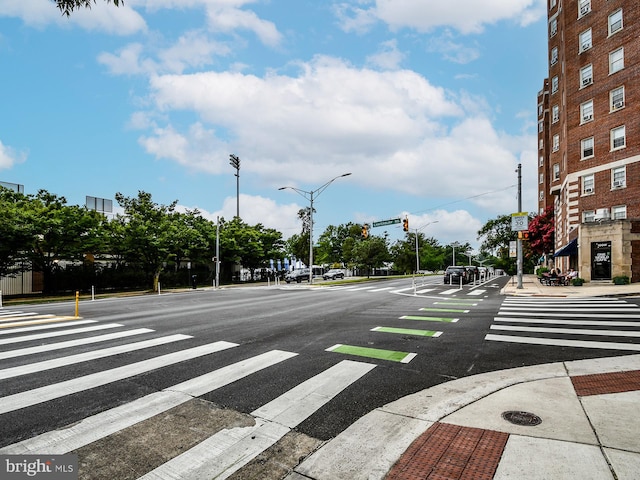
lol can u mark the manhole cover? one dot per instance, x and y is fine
(525, 419)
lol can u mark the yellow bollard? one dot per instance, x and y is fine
(77, 302)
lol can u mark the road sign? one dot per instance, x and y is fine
(382, 223)
(519, 221)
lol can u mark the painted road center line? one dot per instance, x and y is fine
(429, 319)
(402, 357)
(407, 331)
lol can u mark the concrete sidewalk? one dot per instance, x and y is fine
(570, 420)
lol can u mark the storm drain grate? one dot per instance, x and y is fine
(524, 419)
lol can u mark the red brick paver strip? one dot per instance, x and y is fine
(603, 383)
(451, 452)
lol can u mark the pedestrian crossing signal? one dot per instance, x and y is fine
(523, 235)
(405, 224)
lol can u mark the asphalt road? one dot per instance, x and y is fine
(359, 345)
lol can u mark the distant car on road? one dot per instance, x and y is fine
(333, 274)
(453, 274)
(297, 275)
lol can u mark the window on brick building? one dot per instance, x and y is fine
(554, 84)
(554, 55)
(616, 97)
(552, 3)
(588, 216)
(553, 26)
(541, 195)
(584, 7)
(556, 143)
(585, 40)
(619, 212)
(541, 161)
(586, 147)
(555, 113)
(541, 178)
(619, 177)
(540, 110)
(616, 60)
(541, 144)
(556, 171)
(586, 75)
(586, 111)
(618, 137)
(615, 22)
(588, 184)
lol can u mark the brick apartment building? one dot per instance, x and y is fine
(589, 136)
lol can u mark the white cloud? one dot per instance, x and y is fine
(256, 209)
(192, 50)
(9, 157)
(103, 17)
(466, 16)
(388, 56)
(453, 51)
(393, 130)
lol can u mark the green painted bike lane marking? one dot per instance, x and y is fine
(461, 303)
(407, 331)
(402, 357)
(449, 310)
(428, 319)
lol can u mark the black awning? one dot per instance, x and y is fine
(568, 250)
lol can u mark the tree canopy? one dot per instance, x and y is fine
(68, 6)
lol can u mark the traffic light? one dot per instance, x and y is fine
(365, 231)
(405, 224)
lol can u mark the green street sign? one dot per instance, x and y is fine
(382, 223)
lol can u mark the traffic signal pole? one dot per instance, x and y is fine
(519, 244)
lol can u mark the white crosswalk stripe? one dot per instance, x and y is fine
(50, 392)
(227, 451)
(566, 322)
(217, 456)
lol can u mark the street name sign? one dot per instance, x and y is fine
(382, 223)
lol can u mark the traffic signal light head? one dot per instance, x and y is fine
(523, 235)
(405, 224)
(365, 231)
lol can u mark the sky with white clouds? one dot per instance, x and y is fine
(429, 105)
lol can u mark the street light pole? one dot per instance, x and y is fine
(309, 196)
(234, 161)
(417, 254)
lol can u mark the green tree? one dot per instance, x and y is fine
(371, 253)
(15, 234)
(330, 249)
(68, 6)
(150, 236)
(61, 232)
(251, 246)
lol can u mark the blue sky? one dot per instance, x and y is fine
(429, 105)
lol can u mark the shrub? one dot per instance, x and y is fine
(621, 280)
(577, 282)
